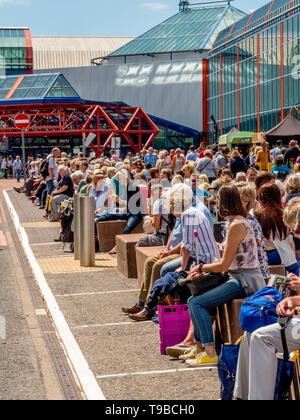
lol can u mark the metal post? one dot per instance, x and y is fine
(87, 232)
(23, 154)
(77, 227)
(83, 145)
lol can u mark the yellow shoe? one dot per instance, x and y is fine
(203, 360)
(190, 354)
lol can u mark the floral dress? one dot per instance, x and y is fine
(261, 248)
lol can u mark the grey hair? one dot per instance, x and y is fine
(63, 168)
(78, 174)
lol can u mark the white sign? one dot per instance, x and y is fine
(118, 142)
(2, 328)
(90, 138)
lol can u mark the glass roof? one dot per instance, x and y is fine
(36, 87)
(253, 20)
(188, 30)
(6, 83)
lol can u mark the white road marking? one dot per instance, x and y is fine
(84, 373)
(116, 324)
(98, 293)
(155, 372)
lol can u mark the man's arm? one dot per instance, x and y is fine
(156, 221)
(61, 190)
(287, 307)
(258, 157)
(51, 173)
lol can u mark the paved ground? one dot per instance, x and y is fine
(20, 376)
(123, 355)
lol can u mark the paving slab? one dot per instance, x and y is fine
(20, 377)
(123, 355)
(181, 386)
(89, 282)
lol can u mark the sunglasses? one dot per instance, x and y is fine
(296, 231)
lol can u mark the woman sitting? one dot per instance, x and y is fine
(65, 191)
(237, 163)
(292, 188)
(279, 242)
(258, 363)
(127, 204)
(100, 191)
(248, 197)
(280, 170)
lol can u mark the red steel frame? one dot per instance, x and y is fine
(269, 11)
(238, 85)
(29, 51)
(281, 72)
(258, 83)
(221, 94)
(73, 120)
(205, 87)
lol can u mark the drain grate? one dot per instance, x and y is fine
(63, 371)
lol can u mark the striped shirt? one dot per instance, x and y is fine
(208, 252)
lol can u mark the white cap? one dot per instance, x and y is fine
(119, 166)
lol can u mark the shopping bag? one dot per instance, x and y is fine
(48, 206)
(285, 370)
(227, 367)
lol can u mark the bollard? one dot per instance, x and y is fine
(77, 227)
(87, 232)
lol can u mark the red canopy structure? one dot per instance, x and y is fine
(78, 119)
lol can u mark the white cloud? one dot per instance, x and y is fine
(14, 2)
(154, 6)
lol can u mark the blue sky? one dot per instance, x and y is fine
(94, 17)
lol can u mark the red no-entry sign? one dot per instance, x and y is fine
(22, 121)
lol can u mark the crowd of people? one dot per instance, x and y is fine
(179, 198)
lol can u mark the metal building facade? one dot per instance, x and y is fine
(163, 71)
(16, 55)
(254, 70)
(58, 52)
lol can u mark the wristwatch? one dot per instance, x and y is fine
(200, 268)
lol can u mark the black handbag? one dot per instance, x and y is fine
(206, 283)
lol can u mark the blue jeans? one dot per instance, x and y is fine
(50, 187)
(132, 223)
(18, 174)
(171, 266)
(275, 259)
(199, 307)
(161, 285)
(132, 220)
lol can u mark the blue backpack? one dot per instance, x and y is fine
(260, 310)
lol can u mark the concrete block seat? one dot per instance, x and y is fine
(107, 232)
(126, 254)
(142, 254)
(228, 321)
(278, 270)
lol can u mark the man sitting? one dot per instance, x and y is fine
(64, 192)
(162, 221)
(180, 202)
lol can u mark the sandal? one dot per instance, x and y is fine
(113, 251)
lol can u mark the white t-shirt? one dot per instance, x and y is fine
(52, 165)
(285, 251)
